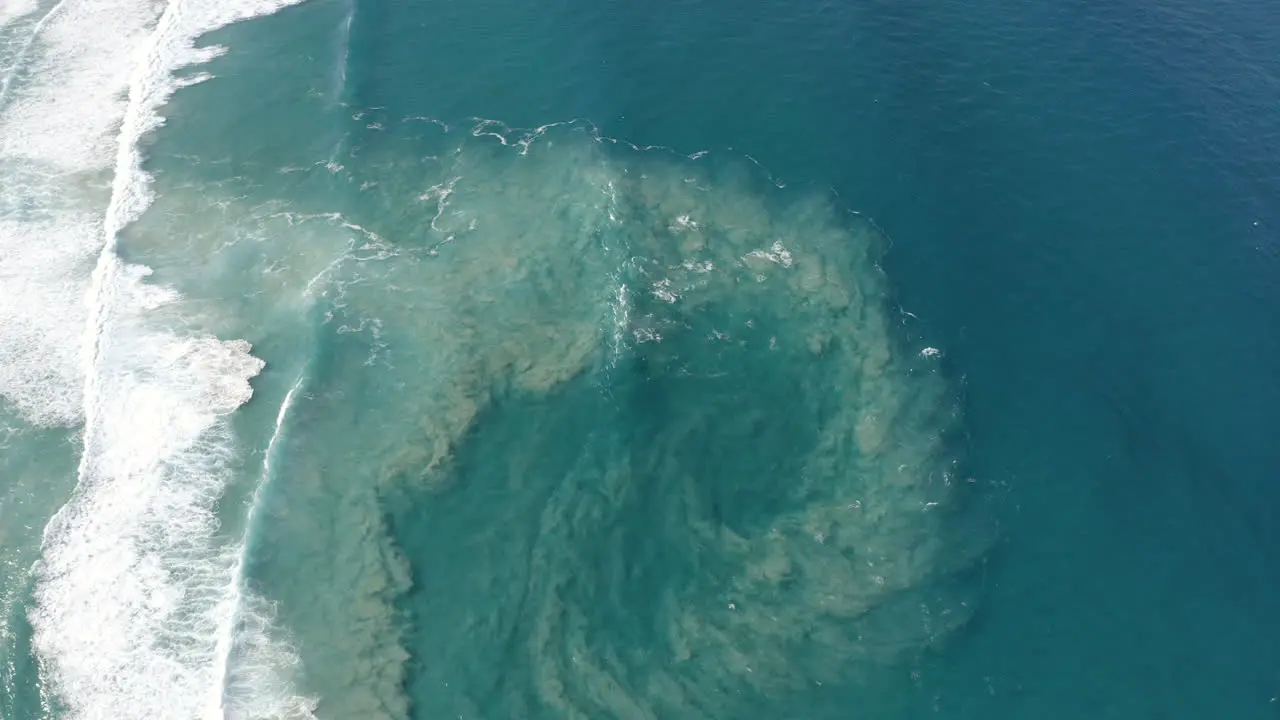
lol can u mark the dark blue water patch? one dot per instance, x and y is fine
(415, 59)
(276, 100)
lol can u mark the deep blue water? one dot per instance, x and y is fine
(1078, 202)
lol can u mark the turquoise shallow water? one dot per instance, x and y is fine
(686, 360)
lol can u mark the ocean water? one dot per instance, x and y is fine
(394, 359)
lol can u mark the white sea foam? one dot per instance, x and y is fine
(135, 584)
(11, 10)
(54, 143)
(18, 37)
(43, 272)
(245, 652)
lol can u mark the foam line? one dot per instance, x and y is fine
(343, 54)
(240, 605)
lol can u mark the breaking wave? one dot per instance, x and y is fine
(135, 584)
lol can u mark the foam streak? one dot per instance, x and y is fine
(240, 607)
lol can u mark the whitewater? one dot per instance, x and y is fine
(141, 610)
